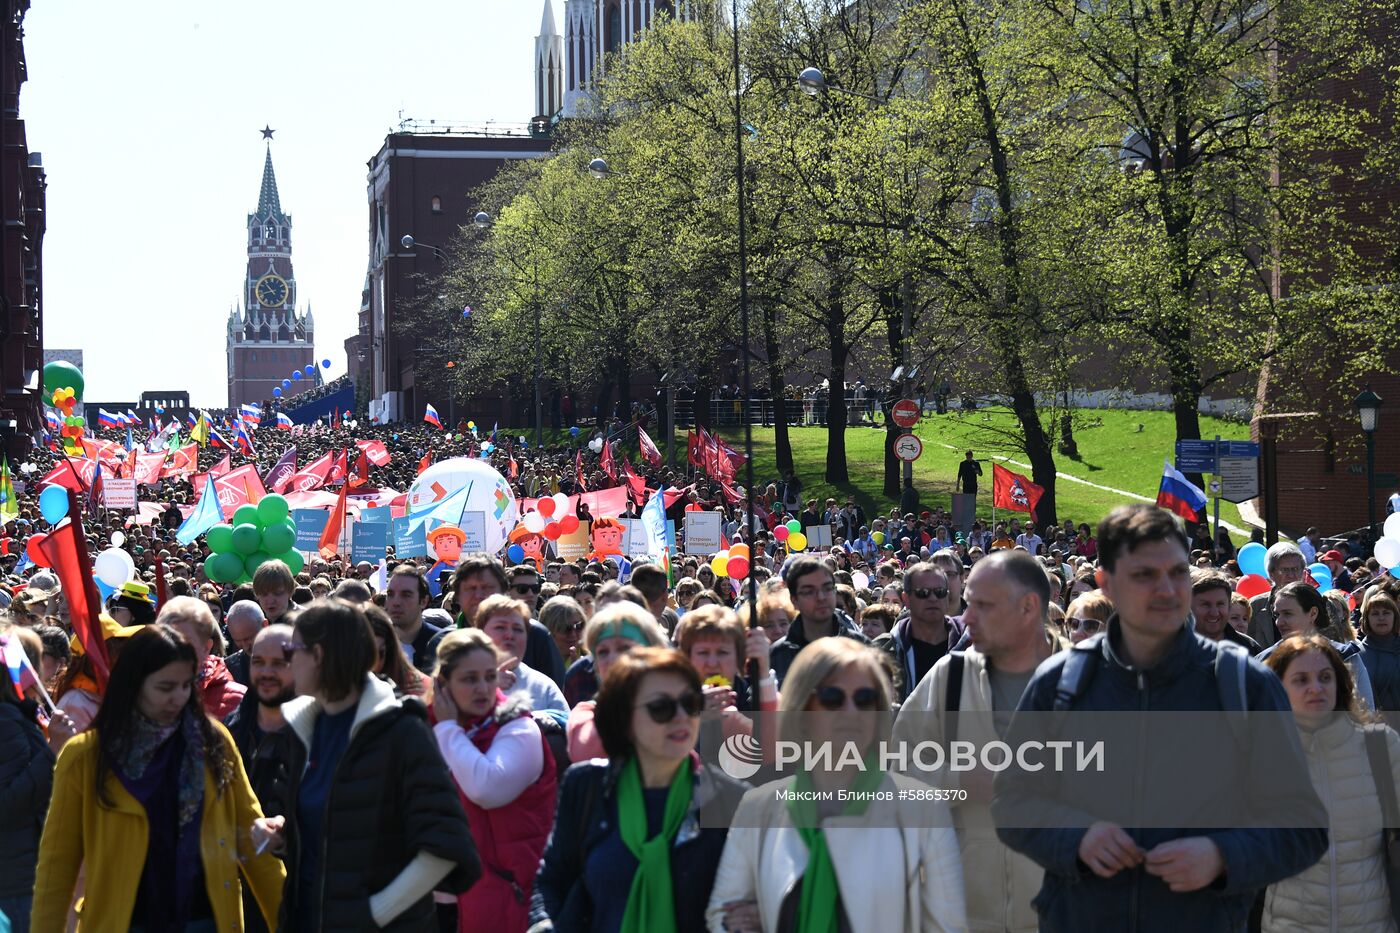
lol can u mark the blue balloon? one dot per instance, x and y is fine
(467, 311)
(1251, 559)
(1395, 571)
(1322, 576)
(326, 364)
(310, 368)
(515, 553)
(573, 432)
(297, 375)
(103, 589)
(53, 504)
(286, 383)
(277, 391)
(396, 438)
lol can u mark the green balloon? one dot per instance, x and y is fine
(228, 567)
(794, 526)
(211, 569)
(61, 374)
(247, 515)
(278, 538)
(220, 539)
(243, 578)
(253, 561)
(293, 560)
(272, 509)
(246, 539)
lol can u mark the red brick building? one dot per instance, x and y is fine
(22, 184)
(267, 339)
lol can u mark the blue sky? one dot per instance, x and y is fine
(148, 114)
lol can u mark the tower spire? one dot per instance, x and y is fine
(268, 201)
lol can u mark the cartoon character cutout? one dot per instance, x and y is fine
(446, 542)
(532, 544)
(606, 536)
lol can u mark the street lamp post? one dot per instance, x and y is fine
(1368, 406)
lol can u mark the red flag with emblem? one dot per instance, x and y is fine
(607, 463)
(361, 475)
(312, 476)
(183, 461)
(1014, 492)
(426, 462)
(649, 449)
(635, 483)
(340, 469)
(376, 451)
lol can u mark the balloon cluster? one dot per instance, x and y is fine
(596, 445)
(791, 535)
(551, 518)
(258, 533)
(1388, 547)
(733, 563)
(64, 383)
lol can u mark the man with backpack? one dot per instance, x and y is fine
(1102, 874)
(970, 696)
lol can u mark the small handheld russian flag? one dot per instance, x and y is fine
(284, 421)
(430, 415)
(1178, 494)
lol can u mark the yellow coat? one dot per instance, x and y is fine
(110, 844)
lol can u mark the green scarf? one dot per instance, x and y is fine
(816, 908)
(650, 905)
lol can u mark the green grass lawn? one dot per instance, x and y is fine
(1113, 452)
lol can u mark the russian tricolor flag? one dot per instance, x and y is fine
(108, 420)
(251, 414)
(217, 440)
(284, 421)
(1178, 494)
(245, 443)
(431, 416)
(53, 420)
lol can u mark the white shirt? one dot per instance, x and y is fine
(544, 693)
(495, 777)
(1030, 542)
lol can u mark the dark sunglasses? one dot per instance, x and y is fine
(1084, 625)
(576, 627)
(663, 709)
(833, 698)
(924, 592)
(525, 587)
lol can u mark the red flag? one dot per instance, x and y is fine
(649, 448)
(340, 469)
(514, 467)
(149, 468)
(361, 475)
(242, 486)
(1014, 492)
(182, 461)
(376, 451)
(607, 463)
(426, 462)
(331, 535)
(65, 548)
(635, 483)
(578, 470)
(223, 466)
(312, 476)
(70, 474)
(335, 420)
(692, 449)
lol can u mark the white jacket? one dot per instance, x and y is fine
(894, 877)
(1000, 883)
(1346, 892)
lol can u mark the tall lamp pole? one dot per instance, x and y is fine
(1368, 406)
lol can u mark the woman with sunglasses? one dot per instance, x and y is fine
(152, 804)
(373, 823)
(611, 633)
(1087, 615)
(505, 772)
(628, 853)
(820, 867)
(564, 618)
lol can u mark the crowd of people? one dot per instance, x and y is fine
(536, 748)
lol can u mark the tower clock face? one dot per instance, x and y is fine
(271, 291)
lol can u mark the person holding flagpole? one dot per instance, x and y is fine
(26, 779)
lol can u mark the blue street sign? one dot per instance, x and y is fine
(1196, 456)
(1239, 449)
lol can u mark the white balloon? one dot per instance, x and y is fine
(490, 495)
(118, 539)
(114, 567)
(561, 505)
(596, 445)
(860, 579)
(1392, 526)
(534, 522)
(1388, 552)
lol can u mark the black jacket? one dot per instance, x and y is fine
(391, 798)
(266, 756)
(238, 664)
(1073, 899)
(785, 649)
(26, 781)
(899, 645)
(588, 813)
(1381, 655)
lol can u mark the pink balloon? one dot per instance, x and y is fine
(781, 533)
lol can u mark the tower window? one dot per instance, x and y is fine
(437, 204)
(612, 39)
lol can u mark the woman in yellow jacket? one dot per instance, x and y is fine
(153, 803)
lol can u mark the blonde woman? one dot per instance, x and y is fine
(612, 632)
(1347, 889)
(867, 867)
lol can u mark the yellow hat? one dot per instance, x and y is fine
(135, 589)
(110, 630)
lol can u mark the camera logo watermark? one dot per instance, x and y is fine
(740, 756)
